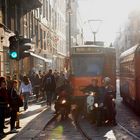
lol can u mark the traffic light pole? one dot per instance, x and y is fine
(69, 10)
(17, 62)
(15, 69)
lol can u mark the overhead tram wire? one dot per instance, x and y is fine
(81, 21)
(80, 18)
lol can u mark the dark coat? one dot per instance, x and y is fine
(49, 83)
(102, 93)
(13, 99)
(91, 88)
(3, 97)
(109, 95)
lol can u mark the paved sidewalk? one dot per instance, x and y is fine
(32, 122)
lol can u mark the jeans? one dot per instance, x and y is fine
(2, 117)
(26, 98)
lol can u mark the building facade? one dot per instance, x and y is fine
(43, 21)
(71, 19)
(129, 34)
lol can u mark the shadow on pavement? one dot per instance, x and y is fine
(29, 112)
(35, 126)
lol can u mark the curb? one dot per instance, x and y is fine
(35, 126)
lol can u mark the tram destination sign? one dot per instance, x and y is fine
(85, 50)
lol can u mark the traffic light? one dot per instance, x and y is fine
(13, 48)
(24, 46)
(19, 47)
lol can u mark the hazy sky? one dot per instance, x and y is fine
(113, 13)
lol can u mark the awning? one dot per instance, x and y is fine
(5, 28)
(40, 57)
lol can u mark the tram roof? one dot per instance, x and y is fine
(95, 46)
(90, 49)
(130, 51)
(92, 46)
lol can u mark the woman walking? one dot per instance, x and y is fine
(14, 106)
(25, 90)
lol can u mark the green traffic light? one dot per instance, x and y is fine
(13, 54)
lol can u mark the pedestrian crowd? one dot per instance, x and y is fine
(15, 93)
(10, 102)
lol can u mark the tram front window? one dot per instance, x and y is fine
(87, 65)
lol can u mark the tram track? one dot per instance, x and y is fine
(122, 133)
(80, 132)
(128, 120)
(72, 130)
(82, 129)
(86, 137)
(129, 132)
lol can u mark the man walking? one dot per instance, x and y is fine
(49, 86)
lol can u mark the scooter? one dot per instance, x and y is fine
(62, 106)
(100, 113)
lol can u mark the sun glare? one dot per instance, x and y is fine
(114, 13)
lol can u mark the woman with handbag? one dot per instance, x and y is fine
(14, 105)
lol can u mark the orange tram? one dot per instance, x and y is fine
(88, 62)
(130, 77)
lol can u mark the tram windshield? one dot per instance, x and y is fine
(87, 65)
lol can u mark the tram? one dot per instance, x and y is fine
(130, 76)
(88, 62)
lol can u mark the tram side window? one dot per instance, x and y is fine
(127, 69)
